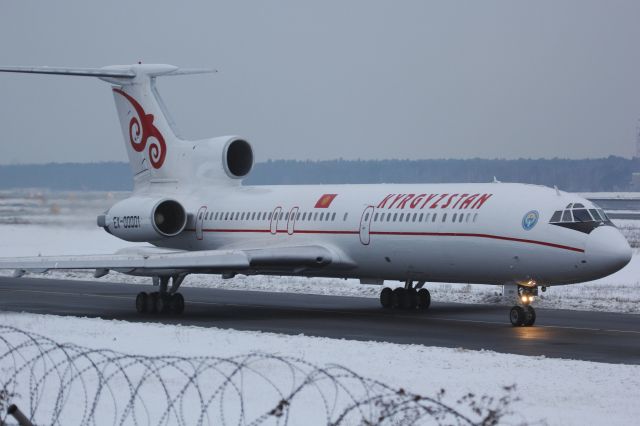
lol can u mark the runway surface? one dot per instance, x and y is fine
(594, 336)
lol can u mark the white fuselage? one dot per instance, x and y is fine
(435, 232)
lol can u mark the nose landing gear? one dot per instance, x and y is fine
(524, 314)
(409, 297)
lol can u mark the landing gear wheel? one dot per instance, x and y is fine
(176, 304)
(154, 303)
(163, 303)
(424, 298)
(400, 298)
(386, 297)
(412, 298)
(531, 316)
(142, 303)
(518, 316)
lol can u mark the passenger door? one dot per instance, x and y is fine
(274, 220)
(200, 222)
(291, 223)
(365, 225)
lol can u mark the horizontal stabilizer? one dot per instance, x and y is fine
(83, 72)
(126, 72)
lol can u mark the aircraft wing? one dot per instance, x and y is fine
(149, 261)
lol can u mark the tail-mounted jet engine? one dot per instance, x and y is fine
(140, 219)
(223, 160)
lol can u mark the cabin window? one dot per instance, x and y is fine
(327, 216)
(426, 217)
(333, 216)
(468, 217)
(420, 217)
(455, 216)
(200, 216)
(433, 218)
(388, 217)
(395, 216)
(304, 216)
(270, 215)
(475, 217)
(415, 216)
(444, 217)
(461, 217)
(345, 217)
(242, 217)
(375, 217)
(366, 217)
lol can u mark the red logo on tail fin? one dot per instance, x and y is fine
(141, 128)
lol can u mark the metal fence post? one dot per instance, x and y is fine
(19, 416)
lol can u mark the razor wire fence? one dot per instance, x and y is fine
(66, 384)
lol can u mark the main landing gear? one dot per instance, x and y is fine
(409, 297)
(164, 301)
(523, 314)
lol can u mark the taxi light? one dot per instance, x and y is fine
(531, 299)
(524, 299)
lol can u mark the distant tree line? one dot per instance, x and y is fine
(603, 174)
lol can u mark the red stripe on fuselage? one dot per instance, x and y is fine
(399, 233)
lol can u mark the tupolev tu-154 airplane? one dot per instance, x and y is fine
(188, 202)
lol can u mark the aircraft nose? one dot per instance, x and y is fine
(607, 250)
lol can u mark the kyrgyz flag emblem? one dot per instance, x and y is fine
(325, 201)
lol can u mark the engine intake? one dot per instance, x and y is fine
(169, 218)
(237, 158)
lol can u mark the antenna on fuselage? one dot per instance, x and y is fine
(557, 190)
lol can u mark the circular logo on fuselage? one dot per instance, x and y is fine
(530, 219)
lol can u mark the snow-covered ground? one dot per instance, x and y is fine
(619, 292)
(550, 390)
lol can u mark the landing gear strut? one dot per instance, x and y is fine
(164, 301)
(523, 314)
(409, 297)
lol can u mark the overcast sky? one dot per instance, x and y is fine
(330, 79)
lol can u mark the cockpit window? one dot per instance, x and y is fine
(556, 216)
(566, 216)
(581, 215)
(578, 205)
(603, 215)
(595, 214)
